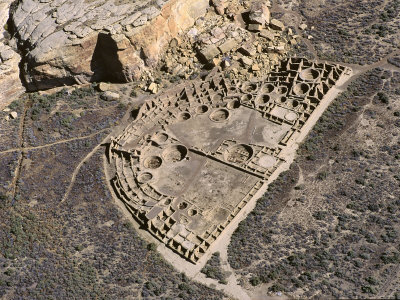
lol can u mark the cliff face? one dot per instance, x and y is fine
(76, 41)
(10, 84)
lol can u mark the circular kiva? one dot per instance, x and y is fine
(202, 109)
(192, 212)
(267, 161)
(233, 89)
(309, 74)
(182, 205)
(184, 116)
(249, 87)
(280, 99)
(160, 137)
(301, 89)
(152, 162)
(304, 106)
(144, 177)
(247, 97)
(281, 90)
(293, 103)
(238, 153)
(217, 97)
(263, 100)
(291, 116)
(233, 104)
(174, 153)
(268, 88)
(220, 115)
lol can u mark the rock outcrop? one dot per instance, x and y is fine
(259, 13)
(77, 41)
(10, 84)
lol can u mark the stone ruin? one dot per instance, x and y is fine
(196, 154)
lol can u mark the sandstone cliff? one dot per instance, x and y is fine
(76, 41)
(10, 84)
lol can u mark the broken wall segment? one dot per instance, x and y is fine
(212, 145)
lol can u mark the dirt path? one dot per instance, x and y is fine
(17, 172)
(223, 241)
(90, 154)
(77, 169)
(390, 284)
(23, 149)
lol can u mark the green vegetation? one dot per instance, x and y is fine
(383, 97)
(152, 247)
(212, 269)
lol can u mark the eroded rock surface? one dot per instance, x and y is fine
(76, 41)
(10, 84)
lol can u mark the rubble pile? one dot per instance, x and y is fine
(241, 38)
(80, 41)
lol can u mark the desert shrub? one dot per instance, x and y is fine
(212, 269)
(383, 97)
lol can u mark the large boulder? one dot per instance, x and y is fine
(10, 84)
(259, 13)
(77, 41)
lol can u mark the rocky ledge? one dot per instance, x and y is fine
(10, 84)
(65, 42)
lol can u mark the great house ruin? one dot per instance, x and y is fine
(196, 154)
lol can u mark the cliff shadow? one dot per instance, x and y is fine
(105, 63)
